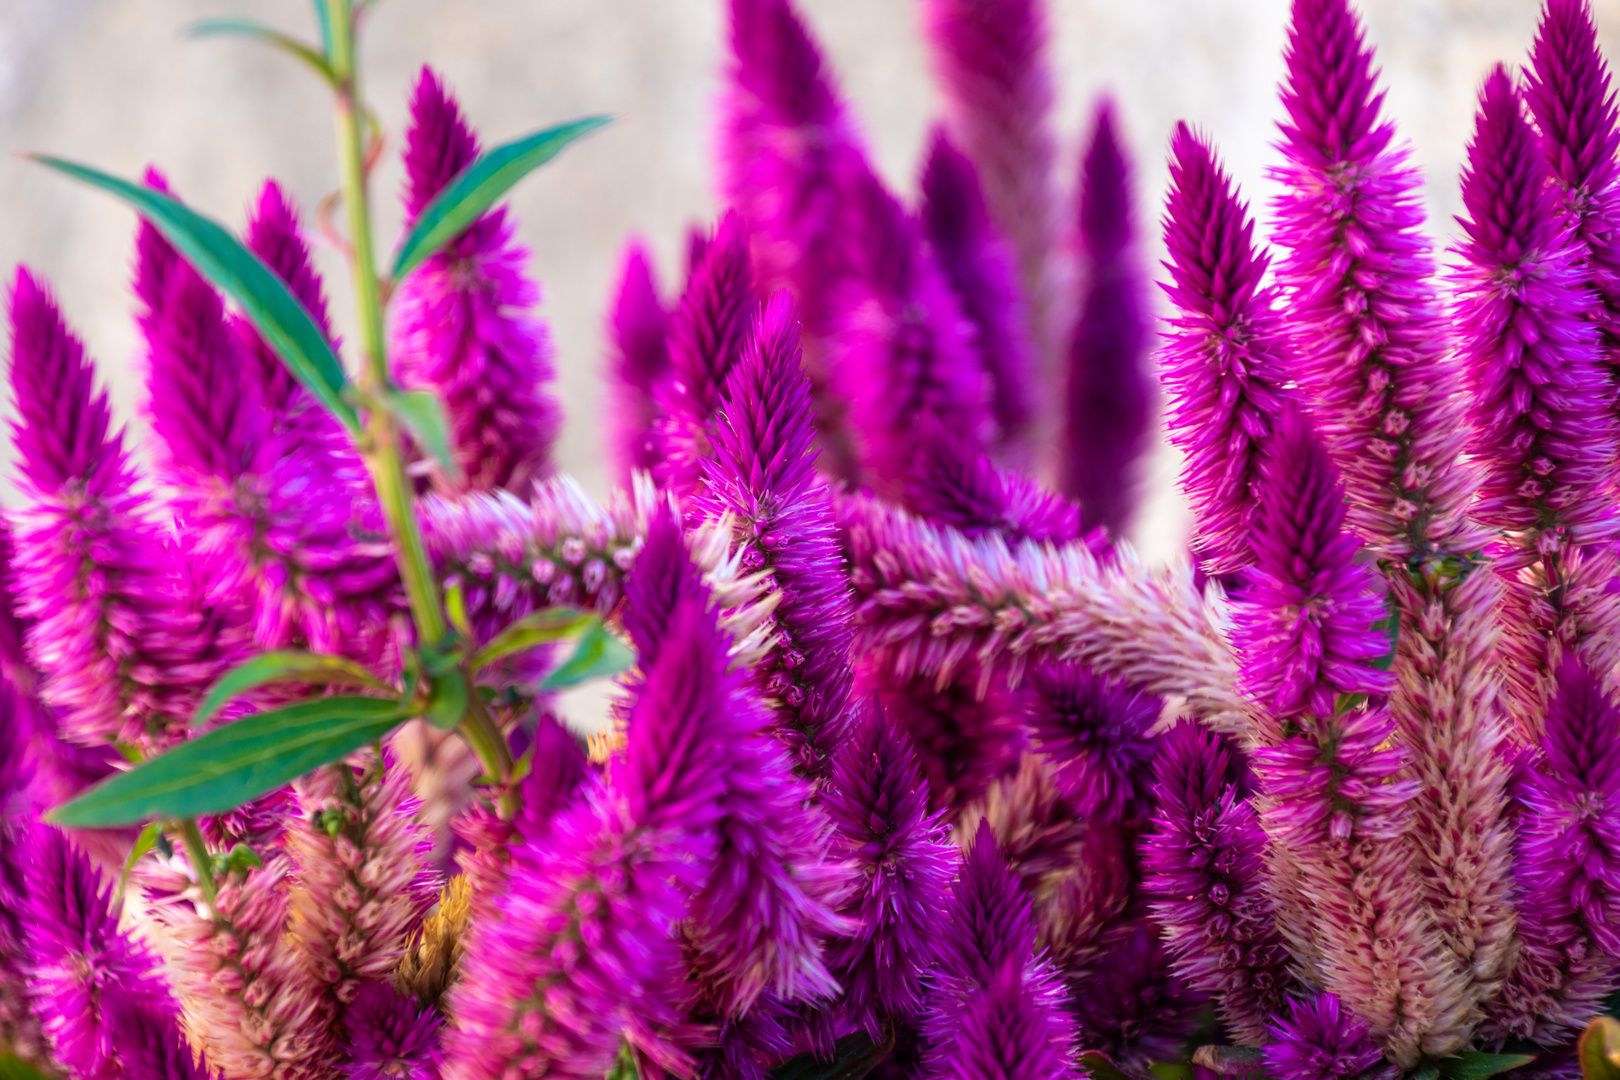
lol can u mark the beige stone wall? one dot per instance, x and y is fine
(114, 82)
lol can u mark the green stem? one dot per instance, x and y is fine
(201, 862)
(478, 727)
(382, 435)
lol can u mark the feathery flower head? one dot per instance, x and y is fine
(557, 769)
(391, 1036)
(1542, 404)
(1109, 401)
(904, 860)
(1130, 1004)
(1321, 1040)
(1568, 90)
(638, 327)
(1094, 730)
(1226, 361)
(1011, 1031)
(149, 1045)
(463, 320)
(1337, 782)
(1305, 626)
(983, 272)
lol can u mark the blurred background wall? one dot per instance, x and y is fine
(116, 83)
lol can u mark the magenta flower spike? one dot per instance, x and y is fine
(464, 323)
(990, 56)
(1010, 1032)
(983, 272)
(1226, 360)
(638, 329)
(1371, 352)
(1109, 396)
(1569, 92)
(1206, 875)
(81, 967)
(1567, 858)
(903, 862)
(1094, 731)
(391, 1036)
(706, 336)
(19, 1023)
(1129, 1003)
(124, 656)
(1321, 1040)
(150, 1046)
(763, 471)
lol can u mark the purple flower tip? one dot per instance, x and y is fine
(1320, 1040)
(638, 329)
(1094, 730)
(1568, 91)
(438, 145)
(391, 1036)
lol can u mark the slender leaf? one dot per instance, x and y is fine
(422, 413)
(479, 186)
(222, 259)
(448, 702)
(1598, 1049)
(598, 655)
(252, 28)
(624, 1066)
(235, 763)
(853, 1057)
(143, 843)
(321, 17)
(1473, 1065)
(1099, 1066)
(287, 667)
(540, 628)
(13, 1067)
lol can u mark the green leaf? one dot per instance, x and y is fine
(13, 1067)
(221, 258)
(251, 28)
(1391, 626)
(235, 763)
(598, 655)
(448, 702)
(286, 667)
(1099, 1066)
(853, 1057)
(540, 628)
(422, 413)
(143, 843)
(479, 186)
(1473, 1065)
(624, 1066)
(321, 18)
(1598, 1049)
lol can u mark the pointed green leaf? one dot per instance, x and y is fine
(321, 17)
(1099, 1066)
(251, 28)
(422, 413)
(222, 259)
(287, 667)
(1598, 1049)
(540, 628)
(1473, 1065)
(143, 843)
(853, 1057)
(235, 763)
(624, 1066)
(13, 1067)
(448, 702)
(479, 186)
(598, 655)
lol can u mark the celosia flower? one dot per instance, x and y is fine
(1319, 1040)
(1009, 1032)
(1371, 352)
(903, 863)
(1128, 1003)
(983, 271)
(638, 329)
(149, 1044)
(706, 336)
(1567, 868)
(463, 322)
(954, 482)
(990, 56)
(354, 842)
(390, 1036)
(1305, 626)
(79, 963)
(123, 653)
(1109, 399)
(1206, 875)
(1569, 93)
(1227, 358)
(763, 472)
(1094, 730)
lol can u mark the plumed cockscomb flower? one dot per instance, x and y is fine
(983, 272)
(1095, 733)
(1225, 362)
(354, 841)
(1205, 872)
(1010, 1032)
(1305, 626)
(991, 60)
(763, 472)
(1129, 1003)
(706, 335)
(1568, 869)
(1321, 1040)
(903, 862)
(1108, 402)
(1568, 89)
(638, 328)
(79, 963)
(464, 323)
(149, 1044)
(1359, 277)
(1541, 401)
(391, 1036)
(124, 653)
